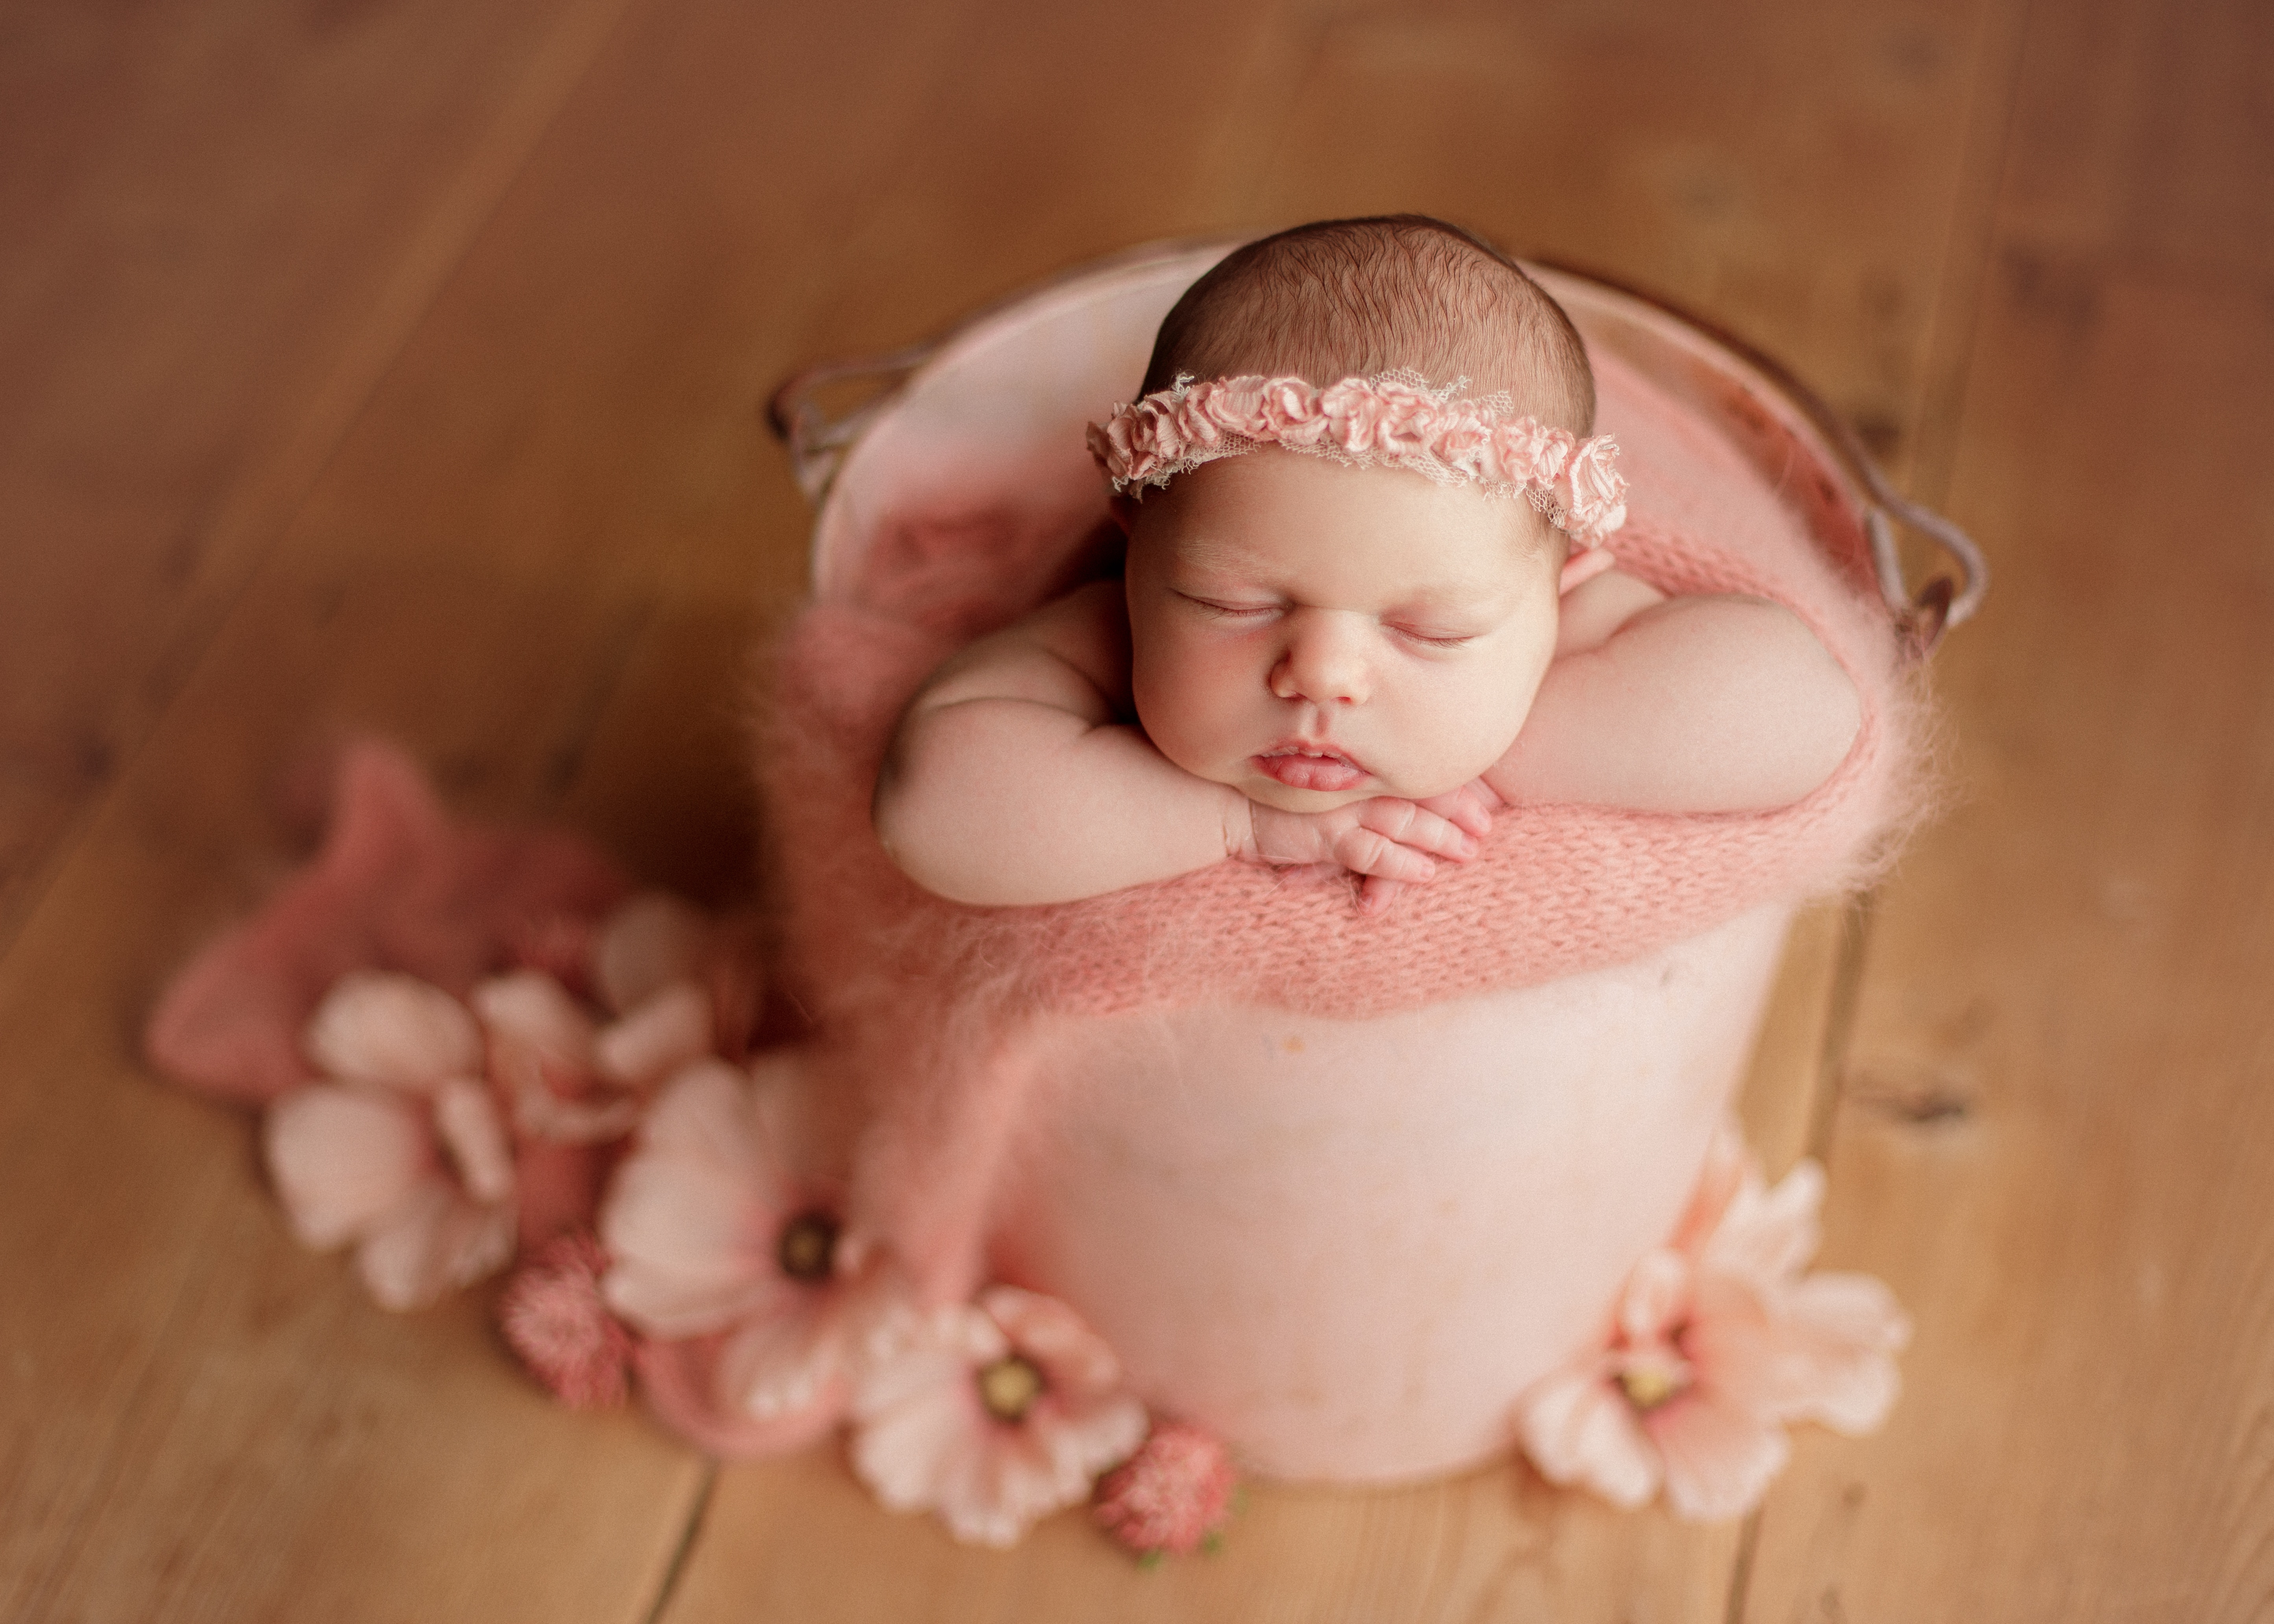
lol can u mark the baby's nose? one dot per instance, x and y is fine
(1325, 660)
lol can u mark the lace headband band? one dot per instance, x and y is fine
(1393, 419)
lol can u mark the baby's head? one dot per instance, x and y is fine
(1342, 583)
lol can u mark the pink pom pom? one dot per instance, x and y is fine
(552, 1316)
(1170, 1495)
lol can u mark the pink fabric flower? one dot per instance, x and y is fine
(1293, 415)
(1464, 444)
(1197, 430)
(1598, 491)
(1392, 419)
(1527, 452)
(1153, 441)
(401, 1151)
(1172, 1496)
(552, 1315)
(712, 1236)
(1357, 410)
(576, 1079)
(1720, 1340)
(1235, 405)
(993, 1415)
(1409, 422)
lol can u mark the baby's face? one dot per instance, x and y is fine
(1314, 634)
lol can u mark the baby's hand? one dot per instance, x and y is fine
(1469, 808)
(1386, 839)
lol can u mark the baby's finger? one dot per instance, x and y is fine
(1462, 807)
(1419, 828)
(1375, 893)
(1366, 850)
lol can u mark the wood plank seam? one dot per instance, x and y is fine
(434, 254)
(1967, 260)
(691, 1532)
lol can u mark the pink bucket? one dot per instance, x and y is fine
(1346, 1246)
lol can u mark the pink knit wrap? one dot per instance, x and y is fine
(922, 1001)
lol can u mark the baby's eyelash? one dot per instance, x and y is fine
(1237, 611)
(1461, 640)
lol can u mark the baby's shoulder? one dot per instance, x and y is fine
(1593, 610)
(1050, 654)
(1088, 629)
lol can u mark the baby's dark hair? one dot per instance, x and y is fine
(1349, 298)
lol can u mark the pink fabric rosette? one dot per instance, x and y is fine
(1598, 491)
(1235, 405)
(1528, 453)
(1292, 416)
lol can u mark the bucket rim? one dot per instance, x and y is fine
(819, 445)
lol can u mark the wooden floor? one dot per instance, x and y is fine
(395, 365)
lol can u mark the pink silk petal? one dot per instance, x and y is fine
(474, 1137)
(380, 1026)
(1770, 1235)
(676, 1301)
(531, 1008)
(1071, 1355)
(1578, 1429)
(1657, 1297)
(1005, 1486)
(1720, 1458)
(693, 1214)
(1837, 1333)
(784, 1361)
(440, 1242)
(1728, 1164)
(909, 1451)
(397, 885)
(668, 1029)
(1736, 1345)
(1082, 1439)
(678, 1379)
(971, 1490)
(935, 1352)
(343, 1159)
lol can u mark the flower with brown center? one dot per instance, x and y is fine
(992, 1414)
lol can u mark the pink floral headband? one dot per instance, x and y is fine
(1393, 419)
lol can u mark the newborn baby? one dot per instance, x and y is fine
(1366, 605)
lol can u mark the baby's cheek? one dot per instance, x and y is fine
(1461, 732)
(1182, 696)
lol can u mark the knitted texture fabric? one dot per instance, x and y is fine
(924, 1000)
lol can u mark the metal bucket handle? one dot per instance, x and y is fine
(1940, 603)
(817, 444)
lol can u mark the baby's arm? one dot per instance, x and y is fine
(1623, 718)
(1015, 778)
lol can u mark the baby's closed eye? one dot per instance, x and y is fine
(1433, 637)
(1233, 609)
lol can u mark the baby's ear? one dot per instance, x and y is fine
(1583, 565)
(1123, 507)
